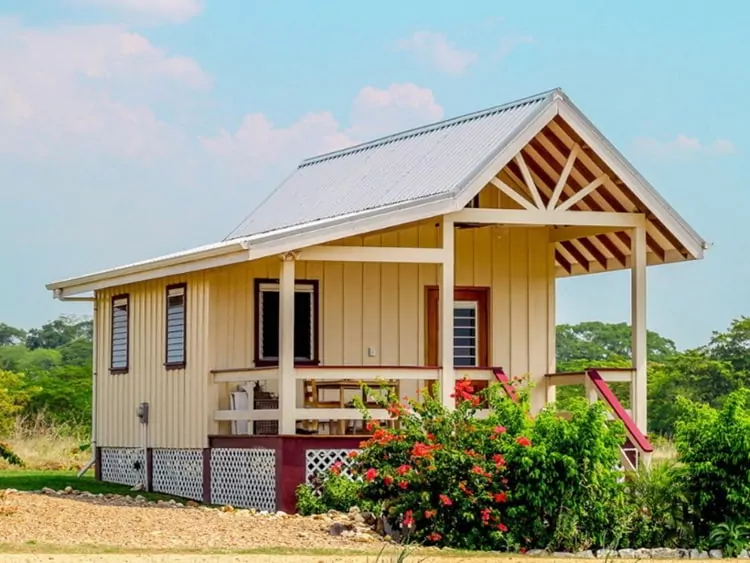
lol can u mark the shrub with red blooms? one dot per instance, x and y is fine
(504, 482)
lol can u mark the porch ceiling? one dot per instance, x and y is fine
(546, 156)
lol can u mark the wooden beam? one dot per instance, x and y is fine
(613, 250)
(563, 261)
(287, 387)
(511, 193)
(594, 251)
(579, 195)
(570, 233)
(638, 389)
(383, 254)
(367, 375)
(447, 284)
(245, 375)
(563, 177)
(543, 217)
(529, 181)
(577, 254)
(260, 414)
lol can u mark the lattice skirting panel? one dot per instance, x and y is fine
(317, 461)
(178, 472)
(244, 477)
(126, 466)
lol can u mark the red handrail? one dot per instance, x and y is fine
(606, 393)
(505, 382)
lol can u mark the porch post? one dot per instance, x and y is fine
(287, 387)
(638, 387)
(448, 375)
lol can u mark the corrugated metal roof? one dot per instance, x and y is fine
(426, 162)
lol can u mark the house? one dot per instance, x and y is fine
(225, 372)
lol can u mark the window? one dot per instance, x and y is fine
(120, 334)
(465, 334)
(176, 326)
(267, 322)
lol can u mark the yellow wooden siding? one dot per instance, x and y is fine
(373, 314)
(177, 398)
(370, 314)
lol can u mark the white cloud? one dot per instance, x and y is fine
(683, 145)
(151, 11)
(259, 145)
(434, 48)
(67, 88)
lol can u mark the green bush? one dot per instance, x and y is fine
(505, 482)
(659, 513)
(331, 490)
(714, 450)
(13, 397)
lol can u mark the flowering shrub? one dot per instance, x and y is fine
(505, 482)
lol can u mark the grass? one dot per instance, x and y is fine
(30, 480)
(45, 446)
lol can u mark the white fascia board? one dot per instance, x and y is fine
(171, 265)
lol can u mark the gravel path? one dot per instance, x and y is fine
(27, 518)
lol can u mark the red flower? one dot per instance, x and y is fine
(430, 437)
(372, 425)
(336, 468)
(430, 513)
(403, 484)
(502, 527)
(423, 450)
(408, 519)
(472, 453)
(499, 460)
(523, 441)
(499, 430)
(371, 474)
(403, 469)
(445, 500)
(522, 550)
(474, 400)
(486, 513)
(388, 480)
(352, 454)
(464, 390)
(464, 489)
(434, 537)
(395, 410)
(477, 470)
(501, 497)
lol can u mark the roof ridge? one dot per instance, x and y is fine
(401, 135)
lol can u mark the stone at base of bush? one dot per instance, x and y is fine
(588, 554)
(697, 554)
(743, 554)
(562, 555)
(606, 553)
(536, 553)
(715, 554)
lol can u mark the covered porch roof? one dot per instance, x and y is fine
(541, 152)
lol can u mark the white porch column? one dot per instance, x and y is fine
(287, 387)
(638, 387)
(448, 375)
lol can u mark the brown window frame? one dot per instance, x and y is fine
(262, 362)
(182, 364)
(119, 369)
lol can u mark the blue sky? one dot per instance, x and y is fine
(133, 128)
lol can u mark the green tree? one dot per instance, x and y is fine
(10, 336)
(58, 333)
(597, 342)
(13, 397)
(732, 346)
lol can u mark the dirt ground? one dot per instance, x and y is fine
(37, 519)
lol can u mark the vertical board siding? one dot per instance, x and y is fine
(363, 306)
(177, 398)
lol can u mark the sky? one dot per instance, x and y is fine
(135, 128)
